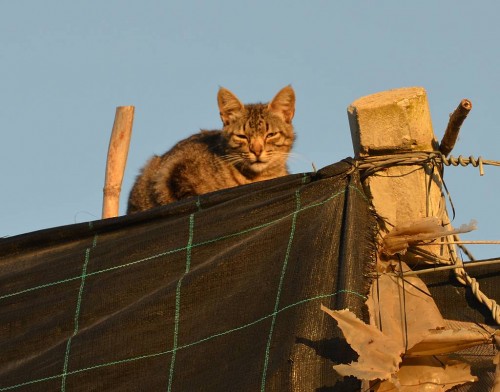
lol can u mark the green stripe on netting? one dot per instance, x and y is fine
(161, 353)
(77, 314)
(181, 249)
(278, 293)
(178, 301)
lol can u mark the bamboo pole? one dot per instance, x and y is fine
(117, 159)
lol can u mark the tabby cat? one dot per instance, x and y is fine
(253, 145)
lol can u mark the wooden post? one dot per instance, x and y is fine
(117, 159)
(390, 123)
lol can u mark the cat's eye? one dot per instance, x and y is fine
(271, 134)
(241, 137)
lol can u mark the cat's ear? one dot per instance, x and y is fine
(283, 104)
(230, 106)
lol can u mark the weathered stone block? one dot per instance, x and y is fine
(392, 121)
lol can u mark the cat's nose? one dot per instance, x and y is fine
(257, 148)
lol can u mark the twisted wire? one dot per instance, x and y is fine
(372, 164)
(464, 278)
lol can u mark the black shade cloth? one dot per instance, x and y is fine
(216, 293)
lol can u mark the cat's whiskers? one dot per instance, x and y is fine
(295, 156)
(232, 158)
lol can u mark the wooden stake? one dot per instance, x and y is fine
(456, 120)
(117, 159)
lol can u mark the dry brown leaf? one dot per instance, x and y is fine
(379, 355)
(429, 374)
(401, 237)
(444, 341)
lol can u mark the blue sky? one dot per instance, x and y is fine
(66, 66)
